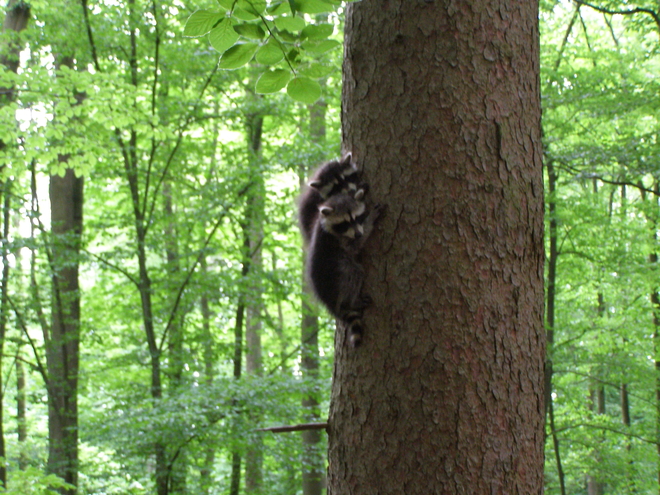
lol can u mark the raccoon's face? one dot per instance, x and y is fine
(335, 178)
(344, 215)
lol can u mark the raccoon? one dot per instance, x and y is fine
(332, 178)
(343, 225)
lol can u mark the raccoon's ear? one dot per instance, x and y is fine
(359, 194)
(326, 210)
(315, 184)
(348, 158)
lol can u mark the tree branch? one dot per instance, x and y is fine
(299, 427)
(636, 10)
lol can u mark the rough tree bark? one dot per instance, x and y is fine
(441, 107)
(66, 206)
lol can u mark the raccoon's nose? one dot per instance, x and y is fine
(357, 234)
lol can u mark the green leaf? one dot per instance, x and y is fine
(270, 53)
(319, 46)
(304, 89)
(293, 55)
(238, 55)
(279, 8)
(244, 15)
(292, 6)
(288, 36)
(317, 31)
(223, 36)
(291, 24)
(201, 22)
(272, 81)
(254, 6)
(313, 6)
(317, 71)
(227, 4)
(251, 31)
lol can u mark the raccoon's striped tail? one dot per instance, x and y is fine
(354, 327)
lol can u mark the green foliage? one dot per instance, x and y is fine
(188, 130)
(600, 122)
(32, 481)
(182, 129)
(288, 41)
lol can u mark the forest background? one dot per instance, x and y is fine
(193, 326)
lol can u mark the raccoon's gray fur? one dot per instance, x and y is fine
(331, 178)
(343, 225)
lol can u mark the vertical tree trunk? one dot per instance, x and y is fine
(312, 465)
(131, 162)
(441, 105)
(4, 311)
(597, 405)
(21, 410)
(16, 19)
(655, 305)
(62, 350)
(255, 211)
(178, 468)
(235, 480)
(208, 356)
(553, 257)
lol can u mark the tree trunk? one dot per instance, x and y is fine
(235, 479)
(208, 353)
(441, 107)
(312, 461)
(16, 19)
(553, 257)
(255, 211)
(21, 410)
(597, 405)
(4, 311)
(66, 204)
(178, 468)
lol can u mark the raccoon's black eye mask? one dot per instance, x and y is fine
(342, 227)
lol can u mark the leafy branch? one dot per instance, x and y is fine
(636, 10)
(277, 36)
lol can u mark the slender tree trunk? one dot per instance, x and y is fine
(553, 257)
(208, 355)
(255, 232)
(312, 460)
(62, 350)
(21, 410)
(597, 405)
(235, 481)
(178, 469)
(131, 160)
(652, 220)
(441, 105)
(16, 19)
(655, 302)
(4, 311)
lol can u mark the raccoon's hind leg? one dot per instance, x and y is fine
(352, 321)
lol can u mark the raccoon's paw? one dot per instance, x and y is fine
(355, 331)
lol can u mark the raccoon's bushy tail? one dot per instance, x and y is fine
(354, 327)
